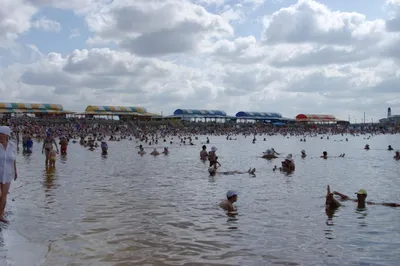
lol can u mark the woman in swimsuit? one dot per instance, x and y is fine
(48, 146)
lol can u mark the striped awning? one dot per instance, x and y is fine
(117, 113)
(34, 111)
(115, 109)
(26, 106)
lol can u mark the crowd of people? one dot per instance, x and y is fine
(55, 136)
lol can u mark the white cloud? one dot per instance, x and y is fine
(163, 55)
(15, 18)
(152, 27)
(46, 24)
(311, 22)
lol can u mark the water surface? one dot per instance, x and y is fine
(124, 209)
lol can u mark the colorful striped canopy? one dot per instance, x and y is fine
(114, 109)
(315, 118)
(199, 113)
(33, 111)
(32, 106)
(261, 115)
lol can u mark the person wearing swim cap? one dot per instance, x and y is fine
(361, 199)
(227, 204)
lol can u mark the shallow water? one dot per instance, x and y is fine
(131, 210)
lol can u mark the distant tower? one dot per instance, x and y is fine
(389, 112)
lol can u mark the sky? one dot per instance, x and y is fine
(334, 57)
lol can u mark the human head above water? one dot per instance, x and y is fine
(231, 194)
(361, 194)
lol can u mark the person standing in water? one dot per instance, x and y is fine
(104, 147)
(8, 167)
(212, 156)
(48, 146)
(63, 144)
(203, 153)
(227, 205)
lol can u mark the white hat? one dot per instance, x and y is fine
(214, 149)
(5, 130)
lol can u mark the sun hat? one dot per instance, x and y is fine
(214, 149)
(231, 193)
(5, 130)
(361, 192)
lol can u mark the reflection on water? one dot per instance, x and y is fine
(127, 209)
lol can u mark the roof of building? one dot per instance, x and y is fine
(39, 106)
(115, 109)
(32, 108)
(199, 113)
(258, 115)
(315, 118)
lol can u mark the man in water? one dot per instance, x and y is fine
(203, 153)
(227, 205)
(361, 200)
(213, 172)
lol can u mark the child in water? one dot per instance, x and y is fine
(52, 158)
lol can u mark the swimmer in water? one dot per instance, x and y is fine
(303, 154)
(213, 171)
(155, 152)
(390, 148)
(269, 154)
(227, 204)
(397, 155)
(165, 151)
(361, 200)
(288, 165)
(366, 147)
(324, 155)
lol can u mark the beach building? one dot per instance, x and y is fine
(269, 117)
(313, 118)
(122, 112)
(390, 119)
(37, 109)
(198, 115)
